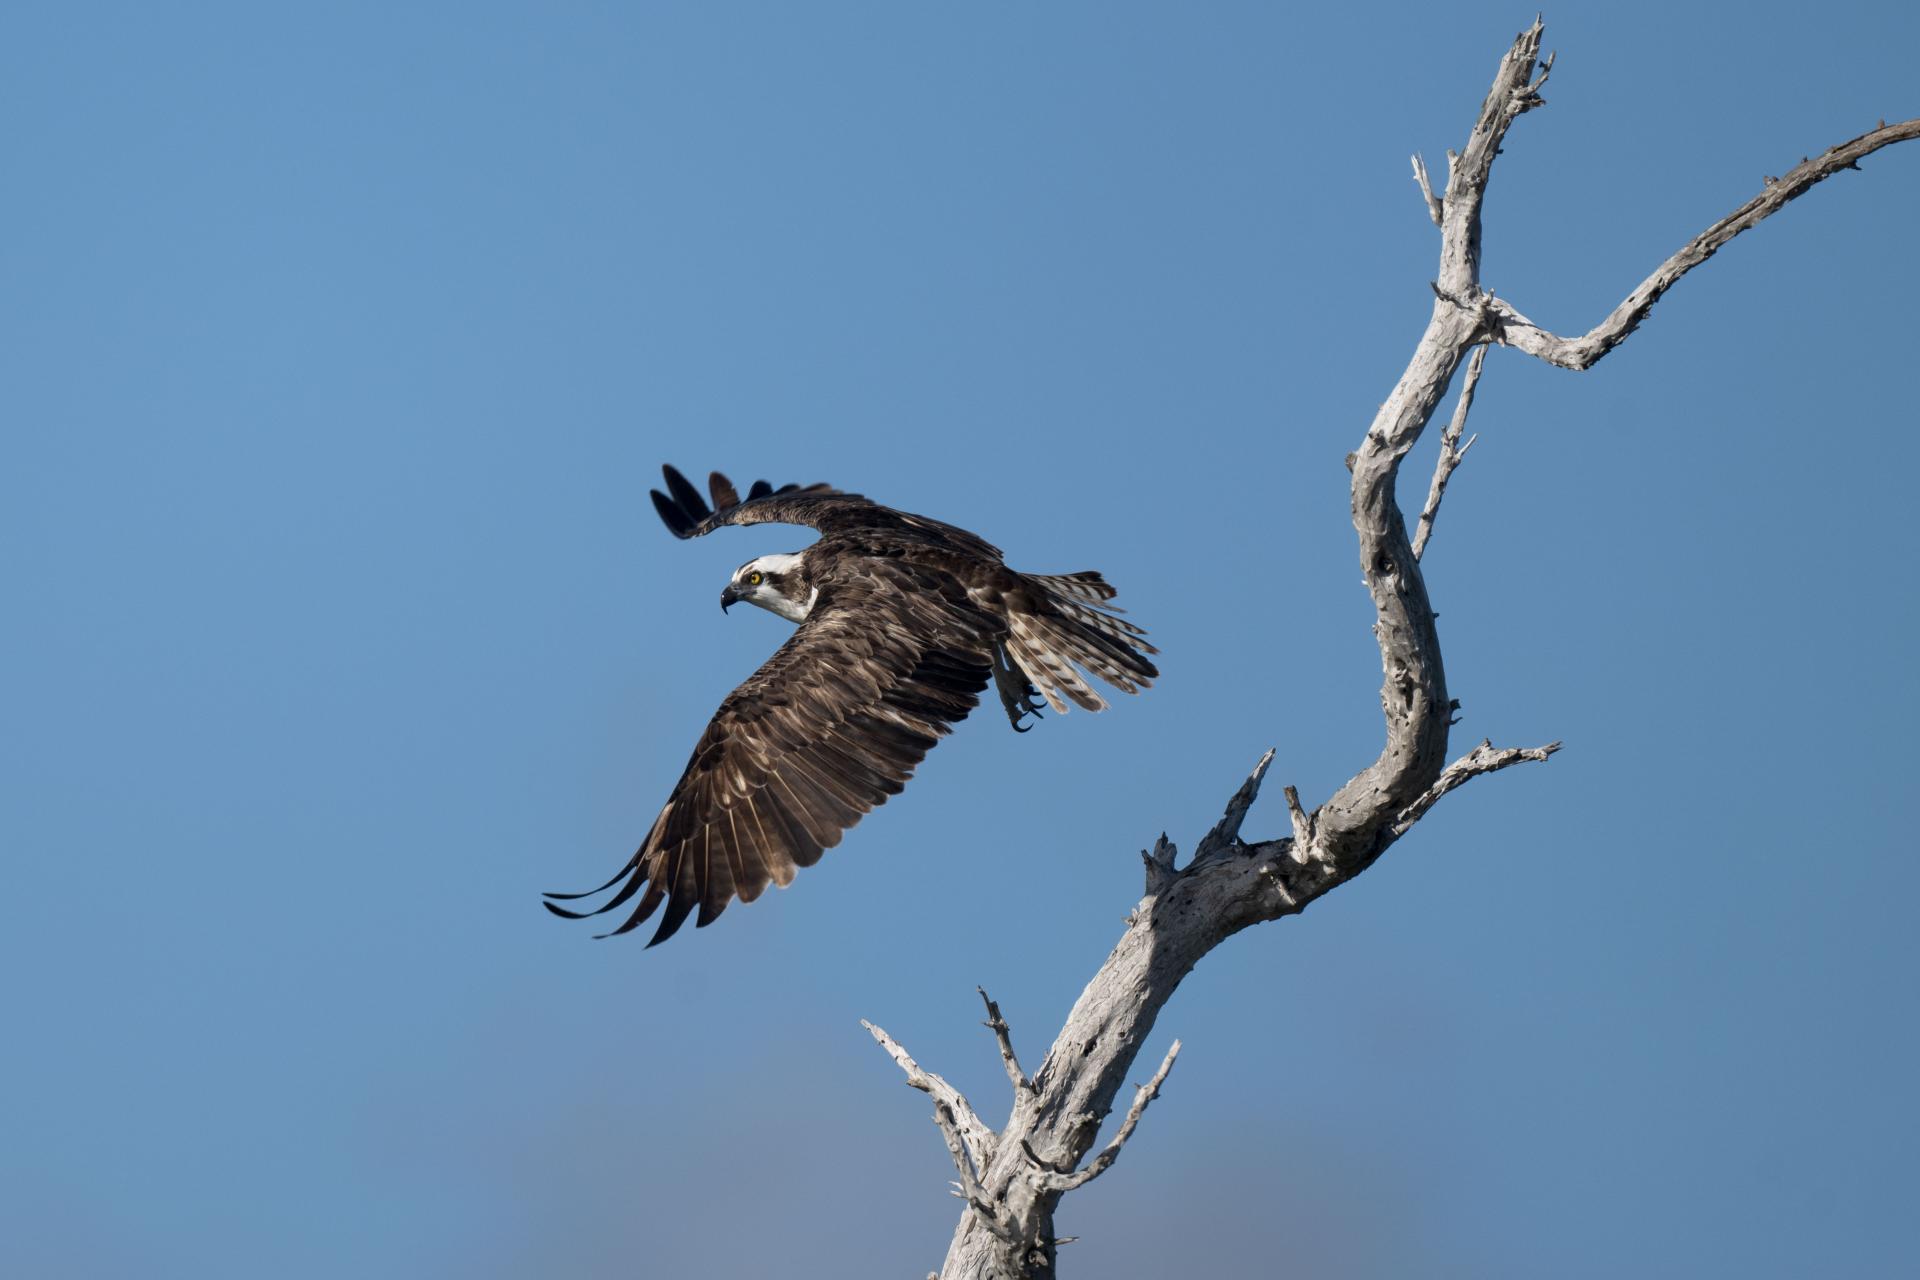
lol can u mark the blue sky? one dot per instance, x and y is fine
(343, 342)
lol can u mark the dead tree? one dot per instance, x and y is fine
(1013, 1179)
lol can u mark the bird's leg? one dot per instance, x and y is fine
(1017, 694)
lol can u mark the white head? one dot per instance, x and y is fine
(775, 583)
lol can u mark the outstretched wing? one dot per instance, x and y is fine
(890, 658)
(817, 506)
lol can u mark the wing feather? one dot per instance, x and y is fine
(718, 884)
(759, 853)
(835, 722)
(681, 898)
(686, 496)
(789, 844)
(809, 812)
(817, 506)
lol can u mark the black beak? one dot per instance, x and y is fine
(728, 597)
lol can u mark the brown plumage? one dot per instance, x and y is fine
(903, 622)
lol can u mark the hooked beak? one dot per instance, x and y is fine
(728, 597)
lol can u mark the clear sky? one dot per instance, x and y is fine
(341, 343)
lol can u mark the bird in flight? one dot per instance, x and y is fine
(903, 622)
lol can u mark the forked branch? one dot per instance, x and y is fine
(998, 1025)
(976, 1135)
(967, 1187)
(1054, 1180)
(1451, 452)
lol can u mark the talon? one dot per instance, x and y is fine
(1019, 698)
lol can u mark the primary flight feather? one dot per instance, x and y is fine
(903, 622)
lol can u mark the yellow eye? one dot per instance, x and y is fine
(753, 579)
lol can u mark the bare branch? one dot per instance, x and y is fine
(1227, 831)
(1160, 869)
(1514, 93)
(1482, 759)
(998, 1025)
(1426, 188)
(1353, 827)
(979, 1138)
(1533, 90)
(1451, 451)
(1515, 330)
(1054, 1180)
(969, 1186)
(1302, 827)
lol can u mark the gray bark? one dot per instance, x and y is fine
(1012, 1180)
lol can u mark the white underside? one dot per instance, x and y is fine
(791, 610)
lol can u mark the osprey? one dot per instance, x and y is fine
(903, 622)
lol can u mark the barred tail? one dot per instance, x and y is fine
(1078, 630)
(1079, 586)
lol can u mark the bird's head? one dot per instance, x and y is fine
(775, 584)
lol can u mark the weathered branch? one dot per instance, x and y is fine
(998, 1025)
(979, 1138)
(1302, 847)
(1484, 758)
(1451, 451)
(1515, 330)
(1354, 827)
(1160, 869)
(1226, 832)
(1231, 884)
(1426, 188)
(968, 1186)
(1054, 1180)
(1514, 93)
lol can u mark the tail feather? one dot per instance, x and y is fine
(1084, 586)
(1114, 628)
(1079, 630)
(1050, 670)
